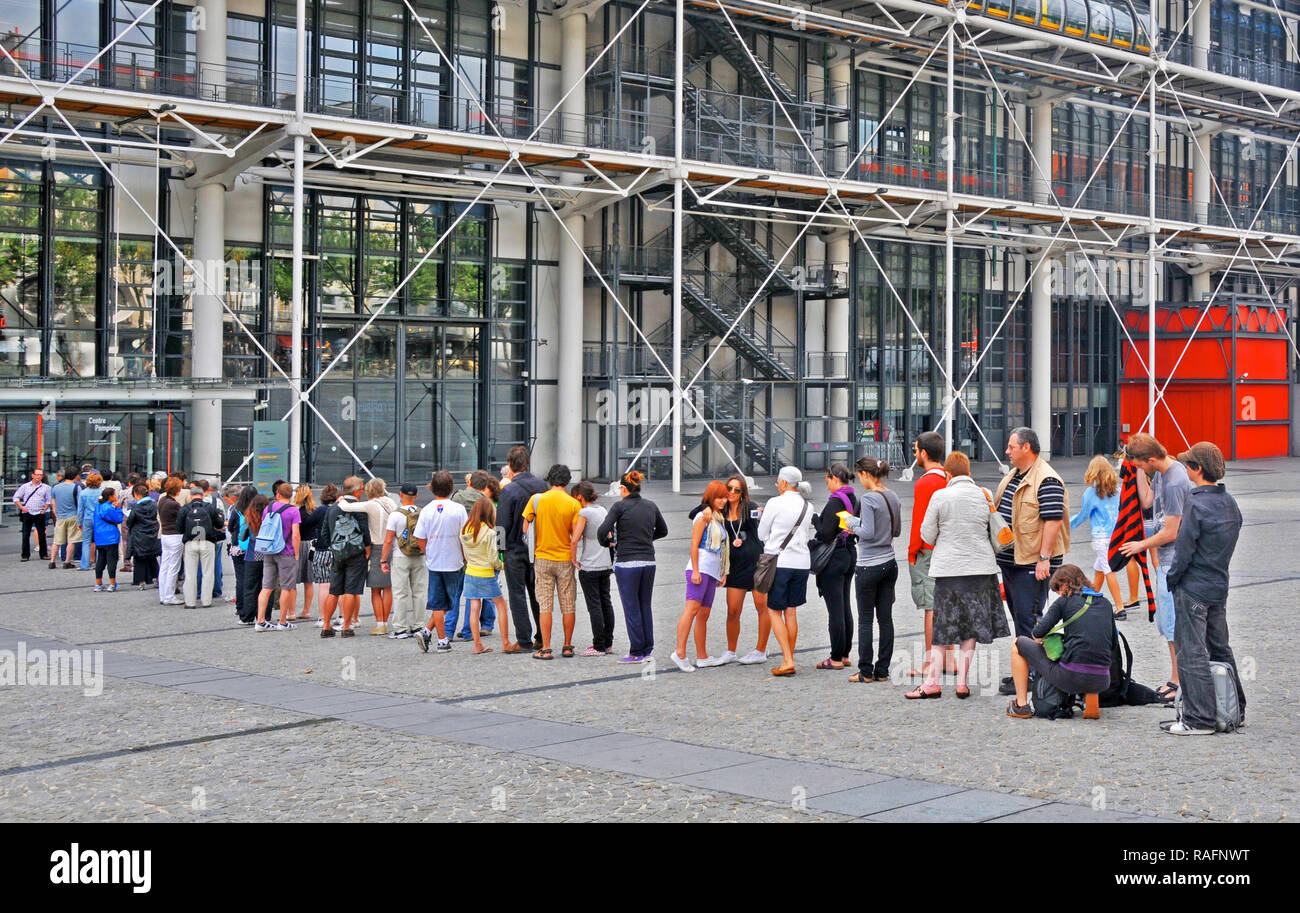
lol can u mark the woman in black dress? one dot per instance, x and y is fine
(740, 523)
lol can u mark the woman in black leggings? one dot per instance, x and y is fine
(835, 582)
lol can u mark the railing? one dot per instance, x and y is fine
(1263, 67)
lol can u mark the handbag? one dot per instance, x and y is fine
(765, 572)
(819, 552)
(1054, 642)
(1001, 536)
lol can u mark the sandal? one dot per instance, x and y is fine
(859, 679)
(513, 648)
(544, 653)
(480, 652)
(829, 664)
(779, 671)
(567, 651)
(962, 693)
(920, 694)
(1166, 691)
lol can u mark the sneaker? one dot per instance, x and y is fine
(261, 626)
(465, 635)
(175, 600)
(113, 588)
(728, 657)
(1020, 711)
(285, 626)
(337, 622)
(422, 638)
(403, 635)
(592, 651)
(1121, 615)
(320, 622)
(379, 630)
(1178, 727)
(753, 657)
(444, 646)
(1007, 688)
(68, 565)
(245, 624)
(681, 663)
(631, 658)
(326, 632)
(708, 662)
(99, 588)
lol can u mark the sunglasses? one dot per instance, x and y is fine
(734, 488)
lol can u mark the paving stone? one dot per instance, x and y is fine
(188, 676)
(881, 796)
(527, 734)
(779, 780)
(448, 724)
(344, 701)
(580, 751)
(966, 806)
(1071, 813)
(663, 759)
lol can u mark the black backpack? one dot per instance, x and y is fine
(199, 516)
(1123, 691)
(1050, 702)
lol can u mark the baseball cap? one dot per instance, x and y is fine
(408, 488)
(1206, 457)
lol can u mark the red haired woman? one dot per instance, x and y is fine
(705, 572)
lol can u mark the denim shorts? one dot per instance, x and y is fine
(789, 588)
(481, 587)
(1164, 604)
(444, 590)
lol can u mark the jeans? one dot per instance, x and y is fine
(835, 583)
(169, 567)
(87, 540)
(600, 608)
(199, 554)
(635, 589)
(38, 521)
(487, 617)
(1026, 596)
(875, 585)
(1200, 638)
(521, 593)
(1166, 622)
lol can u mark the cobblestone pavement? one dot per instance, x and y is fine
(1122, 763)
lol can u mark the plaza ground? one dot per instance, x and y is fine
(200, 719)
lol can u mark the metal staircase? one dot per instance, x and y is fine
(714, 38)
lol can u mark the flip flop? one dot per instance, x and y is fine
(859, 679)
(480, 652)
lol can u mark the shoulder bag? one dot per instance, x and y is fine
(765, 573)
(819, 552)
(1054, 642)
(1000, 535)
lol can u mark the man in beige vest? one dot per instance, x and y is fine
(1033, 500)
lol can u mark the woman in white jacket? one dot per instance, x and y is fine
(788, 516)
(967, 603)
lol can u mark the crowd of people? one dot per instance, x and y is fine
(497, 555)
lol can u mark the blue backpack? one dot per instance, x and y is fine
(270, 537)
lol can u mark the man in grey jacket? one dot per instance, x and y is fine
(1198, 579)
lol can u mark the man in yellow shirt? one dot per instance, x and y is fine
(553, 512)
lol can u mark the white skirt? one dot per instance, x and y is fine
(1102, 547)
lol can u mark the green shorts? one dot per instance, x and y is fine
(922, 582)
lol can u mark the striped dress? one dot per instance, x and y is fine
(1128, 528)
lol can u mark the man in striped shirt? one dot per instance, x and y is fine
(1033, 500)
(34, 499)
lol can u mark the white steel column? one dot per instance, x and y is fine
(1040, 301)
(206, 342)
(569, 444)
(839, 250)
(679, 76)
(1201, 178)
(1200, 34)
(296, 305)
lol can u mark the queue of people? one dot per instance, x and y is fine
(430, 568)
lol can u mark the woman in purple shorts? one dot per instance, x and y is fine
(705, 572)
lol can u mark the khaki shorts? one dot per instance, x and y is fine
(922, 582)
(67, 532)
(553, 577)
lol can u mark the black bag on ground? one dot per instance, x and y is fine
(1050, 702)
(1123, 691)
